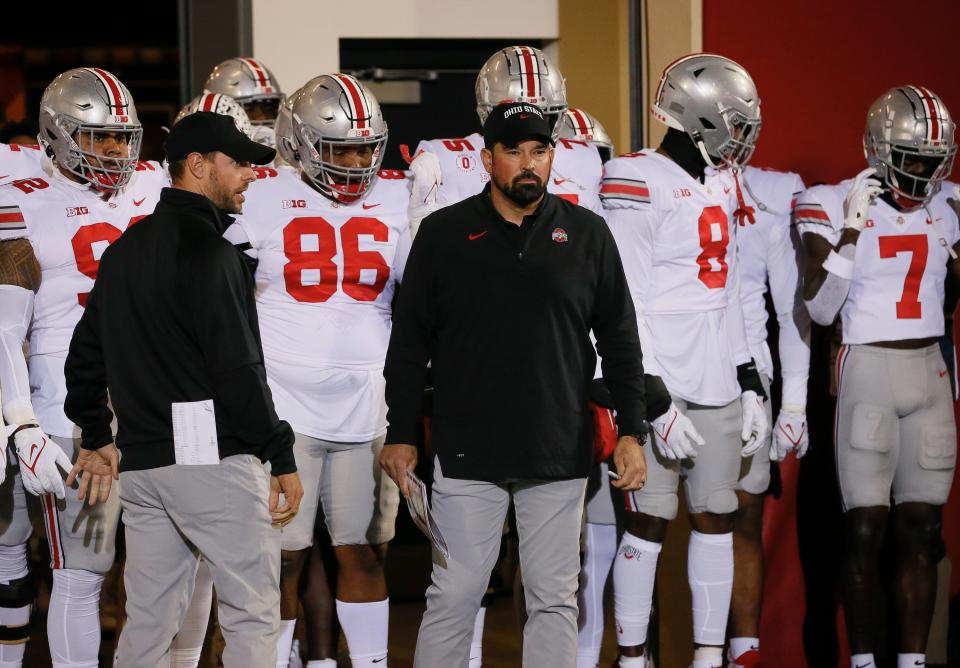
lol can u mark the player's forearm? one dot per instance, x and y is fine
(16, 310)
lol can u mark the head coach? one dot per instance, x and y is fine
(500, 294)
(171, 329)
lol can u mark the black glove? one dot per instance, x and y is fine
(749, 379)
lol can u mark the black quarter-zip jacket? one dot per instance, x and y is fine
(503, 315)
(172, 318)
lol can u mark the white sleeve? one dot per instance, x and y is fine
(783, 270)
(404, 241)
(634, 230)
(812, 217)
(736, 329)
(16, 311)
(239, 234)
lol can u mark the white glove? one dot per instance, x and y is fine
(790, 434)
(39, 457)
(427, 178)
(675, 435)
(855, 206)
(756, 430)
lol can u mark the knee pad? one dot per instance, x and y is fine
(656, 504)
(16, 597)
(722, 502)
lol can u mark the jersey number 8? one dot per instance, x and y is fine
(321, 257)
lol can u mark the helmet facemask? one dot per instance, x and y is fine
(906, 184)
(258, 107)
(342, 184)
(730, 146)
(103, 173)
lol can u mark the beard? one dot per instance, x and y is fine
(222, 195)
(522, 194)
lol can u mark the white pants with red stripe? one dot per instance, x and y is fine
(81, 536)
(895, 430)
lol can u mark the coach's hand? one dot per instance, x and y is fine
(397, 459)
(99, 469)
(631, 464)
(289, 486)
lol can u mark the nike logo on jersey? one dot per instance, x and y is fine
(866, 665)
(726, 189)
(942, 373)
(139, 201)
(474, 237)
(379, 660)
(369, 206)
(558, 182)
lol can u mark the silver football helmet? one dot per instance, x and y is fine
(578, 124)
(910, 123)
(521, 74)
(283, 131)
(714, 101)
(249, 82)
(331, 111)
(77, 110)
(220, 104)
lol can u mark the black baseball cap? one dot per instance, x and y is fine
(513, 122)
(206, 131)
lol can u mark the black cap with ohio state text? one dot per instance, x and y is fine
(513, 122)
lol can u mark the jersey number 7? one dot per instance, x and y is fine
(909, 307)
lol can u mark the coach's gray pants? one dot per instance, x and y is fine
(172, 514)
(470, 515)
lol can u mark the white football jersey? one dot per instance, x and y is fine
(69, 227)
(768, 253)
(325, 278)
(19, 161)
(899, 266)
(575, 176)
(676, 237)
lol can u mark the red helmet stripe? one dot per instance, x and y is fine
(113, 90)
(583, 125)
(528, 70)
(355, 96)
(934, 117)
(206, 104)
(258, 71)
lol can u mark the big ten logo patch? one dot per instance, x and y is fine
(294, 204)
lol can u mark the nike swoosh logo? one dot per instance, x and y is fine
(559, 181)
(523, 116)
(139, 202)
(366, 207)
(942, 374)
(726, 189)
(33, 463)
(379, 660)
(474, 237)
(866, 665)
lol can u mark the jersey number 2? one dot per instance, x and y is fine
(319, 257)
(909, 306)
(714, 237)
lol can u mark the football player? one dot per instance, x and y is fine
(331, 240)
(671, 212)
(219, 104)
(253, 86)
(577, 124)
(54, 226)
(878, 249)
(600, 532)
(449, 170)
(768, 252)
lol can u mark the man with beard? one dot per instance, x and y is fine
(174, 304)
(500, 294)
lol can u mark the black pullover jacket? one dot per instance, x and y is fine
(172, 318)
(503, 314)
